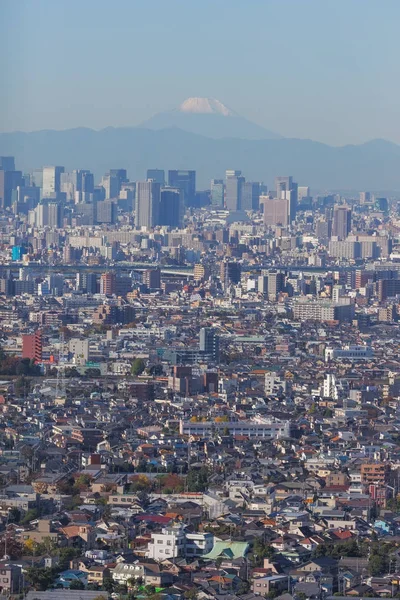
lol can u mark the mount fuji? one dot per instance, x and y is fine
(210, 118)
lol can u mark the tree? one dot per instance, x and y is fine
(65, 555)
(108, 585)
(138, 367)
(14, 516)
(77, 584)
(29, 516)
(40, 578)
(197, 479)
(261, 550)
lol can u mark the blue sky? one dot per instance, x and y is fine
(321, 69)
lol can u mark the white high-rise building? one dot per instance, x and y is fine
(51, 181)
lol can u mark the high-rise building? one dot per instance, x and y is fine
(108, 284)
(217, 193)
(157, 175)
(341, 225)
(170, 214)
(48, 214)
(77, 185)
(365, 197)
(110, 184)
(209, 342)
(7, 163)
(233, 190)
(276, 283)
(276, 211)
(9, 181)
(32, 346)
(106, 211)
(287, 189)
(230, 272)
(250, 195)
(152, 279)
(86, 282)
(147, 204)
(185, 181)
(51, 181)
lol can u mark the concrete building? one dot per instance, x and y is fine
(147, 204)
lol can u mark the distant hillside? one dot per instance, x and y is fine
(374, 165)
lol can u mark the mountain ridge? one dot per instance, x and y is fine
(371, 165)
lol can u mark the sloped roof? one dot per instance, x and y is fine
(231, 550)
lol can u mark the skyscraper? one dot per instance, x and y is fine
(341, 225)
(233, 190)
(170, 207)
(157, 175)
(185, 181)
(110, 183)
(250, 195)
(77, 185)
(9, 181)
(276, 211)
(51, 181)
(287, 189)
(48, 214)
(147, 203)
(217, 193)
(7, 163)
(209, 342)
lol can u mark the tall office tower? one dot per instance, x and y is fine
(157, 175)
(276, 283)
(147, 203)
(51, 181)
(55, 214)
(365, 197)
(287, 189)
(32, 346)
(303, 191)
(152, 279)
(110, 183)
(217, 193)
(323, 230)
(185, 181)
(37, 178)
(121, 176)
(9, 181)
(106, 211)
(209, 342)
(75, 183)
(7, 163)
(108, 284)
(250, 195)
(48, 214)
(276, 211)
(170, 213)
(341, 225)
(230, 272)
(233, 189)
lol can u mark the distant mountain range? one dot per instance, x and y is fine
(370, 166)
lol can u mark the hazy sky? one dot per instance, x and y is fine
(322, 69)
